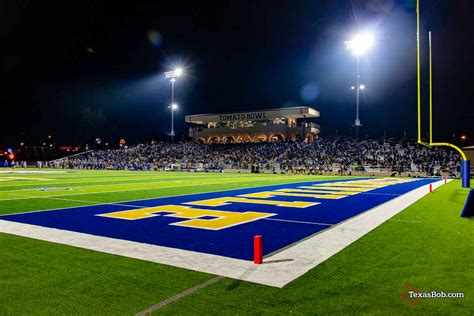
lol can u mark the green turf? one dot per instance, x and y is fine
(428, 246)
(44, 278)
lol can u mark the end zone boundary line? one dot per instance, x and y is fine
(59, 197)
(280, 269)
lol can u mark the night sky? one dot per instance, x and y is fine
(85, 69)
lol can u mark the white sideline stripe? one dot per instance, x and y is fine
(94, 180)
(375, 193)
(95, 203)
(30, 172)
(280, 269)
(79, 206)
(91, 180)
(297, 222)
(26, 197)
(318, 179)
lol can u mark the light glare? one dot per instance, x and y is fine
(178, 71)
(360, 43)
(173, 74)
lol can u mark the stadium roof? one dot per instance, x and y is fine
(268, 114)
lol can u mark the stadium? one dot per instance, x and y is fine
(260, 126)
(115, 207)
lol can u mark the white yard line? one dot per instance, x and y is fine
(176, 297)
(281, 267)
(296, 222)
(404, 220)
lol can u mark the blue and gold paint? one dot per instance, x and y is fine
(224, 223)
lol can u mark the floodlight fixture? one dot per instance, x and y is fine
(172, 75)
(360, 43)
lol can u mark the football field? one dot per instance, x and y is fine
(106, 242)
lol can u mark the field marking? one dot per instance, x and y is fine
(140, 189)
(405, 221)
(111, 185)
(23, 197)
(297, 222)
(374, 193)
(59, 182)
(141, 206)
(95, 203)
(172, 299)
(30, 172)
(281, 268)
(111, 179)
(19, 179)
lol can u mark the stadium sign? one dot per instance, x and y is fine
(242, 116)
(270, 114)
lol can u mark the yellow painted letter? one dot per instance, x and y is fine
(220, 220)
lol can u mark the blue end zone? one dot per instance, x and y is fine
(288, 226)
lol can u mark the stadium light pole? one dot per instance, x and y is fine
(359, 45)
(172, 75)
(173, 107)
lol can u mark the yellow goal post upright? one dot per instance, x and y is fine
(465, 164)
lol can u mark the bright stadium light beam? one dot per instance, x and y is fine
(359, 45)
(178, 71)
(173, 74)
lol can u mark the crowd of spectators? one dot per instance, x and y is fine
(325, 155)
(13, 164)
